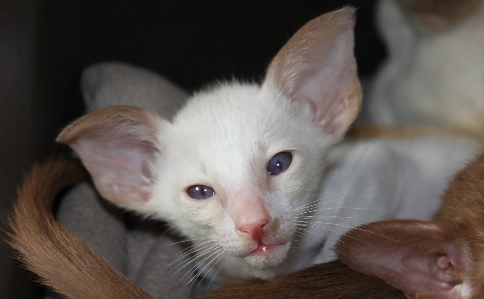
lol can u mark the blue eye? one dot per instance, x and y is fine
(279, 163)
(200, 192)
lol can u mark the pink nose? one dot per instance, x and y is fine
(254, 229)
(250, 215)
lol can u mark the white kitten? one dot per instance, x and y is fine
(434, 73)
(240, 169)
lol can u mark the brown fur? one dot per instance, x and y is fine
(331, 280)
(65, 264)
(369, 131)
(462, 216)
(71, 268)
(457, 233)
(61, 260)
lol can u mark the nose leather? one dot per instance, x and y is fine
(251, 216)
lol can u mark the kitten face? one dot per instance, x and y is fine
(230, 154)
(236, 162)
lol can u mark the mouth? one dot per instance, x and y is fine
(267, 255)
(265, 249)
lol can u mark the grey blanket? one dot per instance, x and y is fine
(141, 249)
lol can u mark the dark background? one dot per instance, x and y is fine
(44, 45)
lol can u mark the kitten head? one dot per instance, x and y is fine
(237, 161)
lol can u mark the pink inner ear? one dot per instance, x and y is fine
(413, 256)
(317, 67)
(120, 165)
(118, 145)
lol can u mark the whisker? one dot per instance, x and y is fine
(213, 262)
(188, 251)
(320, 201)
(202, 262)
(355, 228)
(315, 218)
(193, 258)
(216, 272)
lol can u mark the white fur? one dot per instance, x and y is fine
(225, 137)
(243, 128)
(372, 180)
(430, 79)
(384, 179)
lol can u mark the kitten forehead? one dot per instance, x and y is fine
(235, 129)
(240, 113)
(229, 103)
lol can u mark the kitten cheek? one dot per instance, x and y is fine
(204, 213)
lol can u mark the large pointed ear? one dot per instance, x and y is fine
(413, 256)
(118, 145)
(317, 67)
